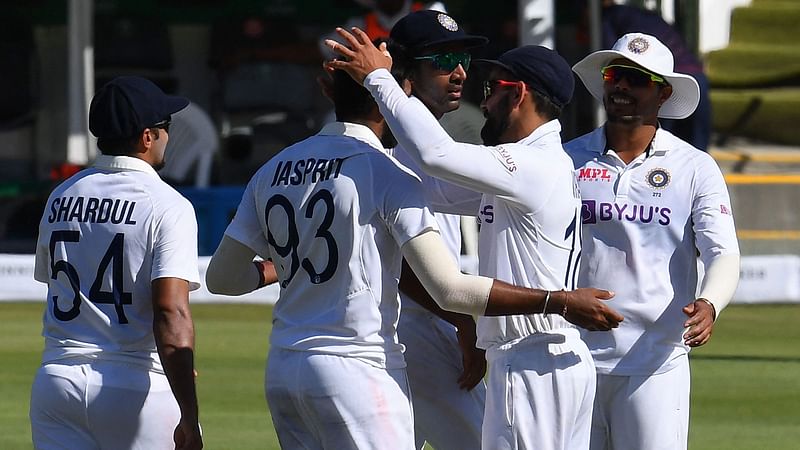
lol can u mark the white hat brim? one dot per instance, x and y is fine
(685, 90)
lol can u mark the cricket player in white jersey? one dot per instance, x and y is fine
(117, 248)
(651, 202)
(541, 376)
(336, 214)
(445, 368)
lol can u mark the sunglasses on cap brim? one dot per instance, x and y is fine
(635, 76)
(448, 61)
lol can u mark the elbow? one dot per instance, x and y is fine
(215, 280)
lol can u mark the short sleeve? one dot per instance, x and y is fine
(41, 270)
(405, 208)
(246, 224)
(175, 244)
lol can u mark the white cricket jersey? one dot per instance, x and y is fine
(106, 234)
(644, 223)
(530, 208)
(332, 212)
(449, 224)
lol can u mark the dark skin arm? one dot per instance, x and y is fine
(174, 334)
(266, 271)
(584, 307)
(473, 358)
(700, 323)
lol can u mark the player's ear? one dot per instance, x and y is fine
(664, 94)
(519, 93)
(406, 85)
(147, 137)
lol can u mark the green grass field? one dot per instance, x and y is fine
(745, 383)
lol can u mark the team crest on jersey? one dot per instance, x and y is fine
(447, 22)
(658, 178)
(638, 45)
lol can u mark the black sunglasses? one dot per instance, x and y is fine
(164, 125)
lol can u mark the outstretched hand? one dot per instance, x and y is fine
(360, 56)
(586, 308)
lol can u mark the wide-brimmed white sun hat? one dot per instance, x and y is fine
(649, 53)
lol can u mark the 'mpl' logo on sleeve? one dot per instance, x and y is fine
(593, 211)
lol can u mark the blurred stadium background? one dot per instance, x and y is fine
(249, 67)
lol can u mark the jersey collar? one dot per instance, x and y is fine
(658, 146)
(355, 131)
(548, 130)
(118, 163)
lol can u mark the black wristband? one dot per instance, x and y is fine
(261, 280)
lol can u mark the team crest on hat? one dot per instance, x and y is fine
(447, 22)
(638, 45)
(658, 178)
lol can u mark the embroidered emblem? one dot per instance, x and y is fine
(658, 178)
(638, 45)
(448, 22)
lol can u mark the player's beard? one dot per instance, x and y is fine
(387, 138)
(497, 123)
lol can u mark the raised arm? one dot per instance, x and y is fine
(475, 167)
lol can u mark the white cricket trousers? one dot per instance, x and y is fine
(101, 405)
(642, 412)
(446, 416)
(321, 401)
(540, 393)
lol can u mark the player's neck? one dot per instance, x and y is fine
(377, 125)
(523, 125)
(628, 142)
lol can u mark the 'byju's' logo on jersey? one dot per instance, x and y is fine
(593, 212)
(593, 174)
(507, 159)
(658, 178)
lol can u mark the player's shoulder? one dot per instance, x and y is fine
(682, 152)
(585, 147)
(163, 197)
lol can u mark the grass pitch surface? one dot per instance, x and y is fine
(745, 383)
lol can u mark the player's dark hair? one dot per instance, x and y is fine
(123, 147)
(351, 101)
(545, 106)
(403, 63)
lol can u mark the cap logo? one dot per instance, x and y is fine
(638, 45)
(658, 178)
(447, 22)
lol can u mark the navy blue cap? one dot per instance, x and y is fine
(125, 106)
(542, 69)
(421, 30)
